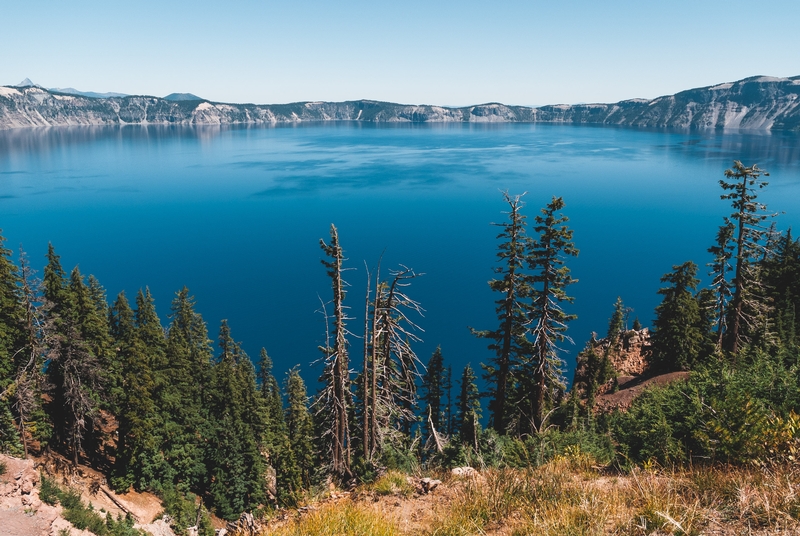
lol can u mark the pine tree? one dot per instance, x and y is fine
(550, 279)
(29, 377)
(301, 427)
(136, 411)
(181, 394)
(616, 323)
(73, 370)
(749, 215)
(720, 266)
(236, 468)
(469, 408)
(514, 287)
(12, 342)
(677, 339)
(433, 382)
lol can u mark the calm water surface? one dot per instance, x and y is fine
(236, 215)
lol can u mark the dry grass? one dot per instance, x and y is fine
(570, 496)
(344, 518)
(566, 497)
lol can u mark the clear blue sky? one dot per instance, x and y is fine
(434, 52)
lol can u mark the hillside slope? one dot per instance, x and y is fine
(762, 102)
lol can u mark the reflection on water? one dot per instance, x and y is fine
(236, 213)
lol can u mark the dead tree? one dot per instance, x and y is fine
(393, 365)
(337, 394)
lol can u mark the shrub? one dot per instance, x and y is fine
(393, 483)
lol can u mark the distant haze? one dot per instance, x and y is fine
(456, 53)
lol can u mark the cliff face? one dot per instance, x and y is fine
(753, 103)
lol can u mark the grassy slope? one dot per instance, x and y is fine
(567, 496)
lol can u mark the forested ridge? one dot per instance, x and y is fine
(150, 400)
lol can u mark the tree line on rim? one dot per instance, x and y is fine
(190, 419)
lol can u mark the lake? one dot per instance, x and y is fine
(236, 215)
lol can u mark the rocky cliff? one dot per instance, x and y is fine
(753, 103)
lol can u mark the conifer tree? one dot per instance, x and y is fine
(749, 216)
(136, 410)
(677, 338)
(469, 408)
(433, 390)
(616, 323)
(181, 394)
(301, 427)
(73, 369)
(236, 468)
(547, 259)
(781, 273)
(12, 341)
(514, 285)
(720, 266)
(29, 376)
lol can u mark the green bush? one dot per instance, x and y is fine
(48, 491)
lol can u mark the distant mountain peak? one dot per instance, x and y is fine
(26, 83)
(182, 97)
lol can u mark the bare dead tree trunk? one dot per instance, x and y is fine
(338, 362)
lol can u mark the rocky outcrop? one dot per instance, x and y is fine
(753, 103)
(607, 362)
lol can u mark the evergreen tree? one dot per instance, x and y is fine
(469, 408)
(720, 266)
(301, 435)
(12, 342)
(616, 323)
(514, 285)
(29, 376)
(73, 370)
(433, 382)
(91, 315)
(236, 468)
(749, 216)
(677, 339)
(136, 410)
(781, 273)
(181, 394)
(447, 386)
(550, 279)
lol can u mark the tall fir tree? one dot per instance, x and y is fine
(12, 344)
(301, 431)
(749, 215)
(720, 266)
(136, 410)
(468, 402)
(182, 394)
(677, 339)
(236, 479)
(433, 387)
(551, 276)
(514, 285)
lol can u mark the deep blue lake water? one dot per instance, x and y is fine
(236, 215)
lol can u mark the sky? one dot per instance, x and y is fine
(422, 52)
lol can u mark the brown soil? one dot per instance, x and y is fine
(632, 386)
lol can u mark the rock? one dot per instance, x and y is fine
(429, 484)
(159, 527)
(464, 471)
(246, 525)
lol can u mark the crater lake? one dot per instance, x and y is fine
(236, 215)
